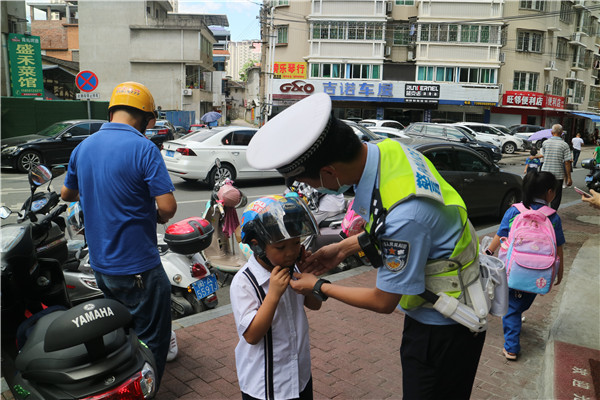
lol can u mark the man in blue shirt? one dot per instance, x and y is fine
(121, 181)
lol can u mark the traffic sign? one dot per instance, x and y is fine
(83, 96)
(86, 81)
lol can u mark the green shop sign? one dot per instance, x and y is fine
(25, 59)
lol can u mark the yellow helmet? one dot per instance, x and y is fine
(132, 94)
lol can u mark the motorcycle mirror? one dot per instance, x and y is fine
(5, 212)
(39, 175)
(58, 170)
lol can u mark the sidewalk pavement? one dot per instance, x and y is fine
(355, 353)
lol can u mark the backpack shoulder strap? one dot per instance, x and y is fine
(520, 207)
(547, 211)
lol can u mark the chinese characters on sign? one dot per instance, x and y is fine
(532, 99)
(422, 93)
(25, 59)
(289, 70)
(358, 89)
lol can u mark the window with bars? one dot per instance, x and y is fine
(557, 87)
(529, 41)
(338, 30)
(282, 34)
(538, 5)
(462, 33)
(566, 12)
(405, 2)
(457, 74)
(562, 48)
(526, 81)
(344, 71)
(401, 35)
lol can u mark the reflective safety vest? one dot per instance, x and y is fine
(403, 174)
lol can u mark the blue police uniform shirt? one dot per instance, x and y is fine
(118, 173)
(418, 229)
(512, 212)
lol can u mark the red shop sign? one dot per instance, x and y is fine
(526, 99)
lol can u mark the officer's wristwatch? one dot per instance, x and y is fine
(317, 290)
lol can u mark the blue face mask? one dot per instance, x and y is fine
(341, 188)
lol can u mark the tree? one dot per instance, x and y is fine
(244, 72)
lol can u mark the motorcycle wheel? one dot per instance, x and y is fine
(197, 305)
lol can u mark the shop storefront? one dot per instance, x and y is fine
(402, 101)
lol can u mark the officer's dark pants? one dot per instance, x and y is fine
(438, 361)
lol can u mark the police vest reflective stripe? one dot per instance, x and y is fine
(405, 173)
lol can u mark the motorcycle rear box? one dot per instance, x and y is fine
(190, 235)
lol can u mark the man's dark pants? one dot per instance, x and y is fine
(557, 199)
(149, 305)
(438, 361)
(576, 154)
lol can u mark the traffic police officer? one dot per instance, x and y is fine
(417, 233)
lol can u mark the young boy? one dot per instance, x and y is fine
(532, 162)
(273, 354)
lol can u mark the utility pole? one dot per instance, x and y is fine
(264, 36)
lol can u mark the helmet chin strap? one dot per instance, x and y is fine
(262, 255)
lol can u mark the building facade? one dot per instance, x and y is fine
(142, 41)
(59, 30)
(241, 53)
(438, 60)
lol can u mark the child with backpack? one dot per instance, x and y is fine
(533, 252)
(532, 162)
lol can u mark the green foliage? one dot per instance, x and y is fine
(244, 72)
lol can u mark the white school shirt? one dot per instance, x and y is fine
(291, 345)
(577, 142)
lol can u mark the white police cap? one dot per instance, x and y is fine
(289, 139)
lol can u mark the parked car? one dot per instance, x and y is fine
(193, 156)
(363, 133)
(485, 189)
(195, 127)
(386, 132)
(162, 131)
(454, 134)
(50, 146)
(524, 131)
(508, 143)
(388, 123)
(180, 131)
(502, 129)
(483, 138)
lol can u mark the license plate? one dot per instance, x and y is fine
(205, 286)
(170, 153)
(589, 178)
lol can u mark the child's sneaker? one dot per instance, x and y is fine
(173, 349)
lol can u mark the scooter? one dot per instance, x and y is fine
(193, 285)
(224, 253)
(592, 179)
(60, 353)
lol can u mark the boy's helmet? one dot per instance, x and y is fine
(132, 94)
(272, 219)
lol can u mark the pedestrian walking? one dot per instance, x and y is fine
(266, 309)
(416, 218)
(557, 160)
(532, 162)
(577, 141)
(124, 188)
(539, 188)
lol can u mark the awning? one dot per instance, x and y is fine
(593, 117)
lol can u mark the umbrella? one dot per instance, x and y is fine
(210, 116)
(543, 134)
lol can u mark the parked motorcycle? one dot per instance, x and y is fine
(592, 179)
(224, 253)
(193, 285)
(59, 353)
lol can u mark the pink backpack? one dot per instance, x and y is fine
(352, 223)
(530, 252)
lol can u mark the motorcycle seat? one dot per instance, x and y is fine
(333, 221)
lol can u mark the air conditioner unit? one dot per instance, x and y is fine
(187, 92)
(573, 75)
(576, 37)
(548, 88)
(502, 57)
(388, 7)
(570, 100)
(552, 64)
(388, 50)
(570, 93)
(410, 55)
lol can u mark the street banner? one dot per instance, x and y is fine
(25, 60)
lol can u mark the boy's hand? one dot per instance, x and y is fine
(280, 279)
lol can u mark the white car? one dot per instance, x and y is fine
(193, 156)
(386, 132)
(387, 123)
(508, 143)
